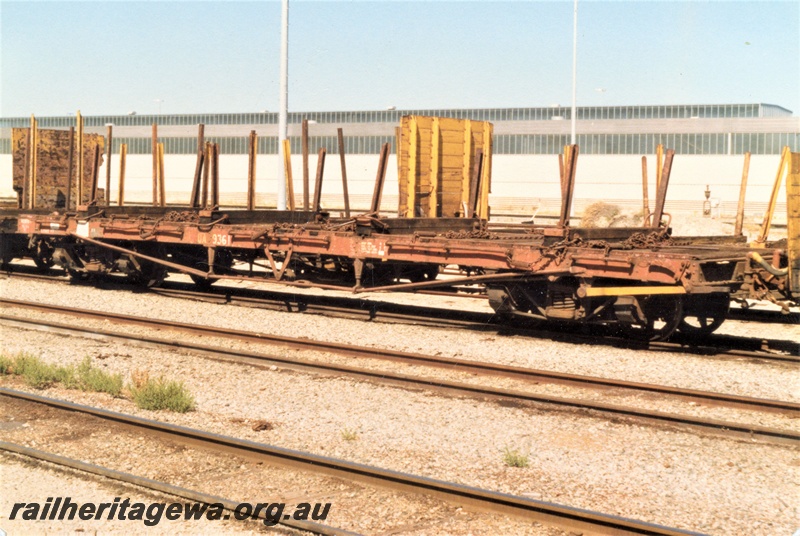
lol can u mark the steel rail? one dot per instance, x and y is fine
(458, 388)
(440, 317)
(324, 305)
(708, 347)
(162, 487)
(462, 365)
(458, 292)
(483, 499)
(717, 346)
(333, 306)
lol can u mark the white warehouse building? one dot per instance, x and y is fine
(709, 142)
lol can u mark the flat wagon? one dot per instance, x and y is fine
(642, 279)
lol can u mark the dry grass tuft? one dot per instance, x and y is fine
(160, 393)
(349, 435)
(514, 458)
(41, 375)
(602, 214)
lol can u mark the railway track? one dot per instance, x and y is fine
(159, 486)
(482, 499)
(357, 308)
(716, 345)
(428, 382)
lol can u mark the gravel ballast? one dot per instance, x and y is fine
(662, 475)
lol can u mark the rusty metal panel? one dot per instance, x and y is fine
(435, 158)
(52, 164)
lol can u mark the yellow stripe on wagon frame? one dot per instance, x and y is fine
(592, 292)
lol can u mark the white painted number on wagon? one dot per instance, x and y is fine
(220, 239)
(214, 239)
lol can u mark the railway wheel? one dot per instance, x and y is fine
(662, 314)
(148, 274)
(704, 314)
(43, 264)
(7, 253)
(203, 283)
(515, 302)
(77, 276)
(42, 253)
(143, 272)
(425, 273)
(500, 301)
(377, 274)
(223, 262)
(701, 325)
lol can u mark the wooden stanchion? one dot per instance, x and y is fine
(737, 228)
(34, 146)
(251, 171)
(206, 177)
(108, 166)
(380, 179)
(318, 182)
(154, 152)
(162, 189)
(215, 177)
(95, 173)
(287, 166)
(645, 195)
(305, 164)
(345, 193)
(70, 165)
(123, 156)
(80, 166)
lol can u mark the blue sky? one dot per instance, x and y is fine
(113, 57)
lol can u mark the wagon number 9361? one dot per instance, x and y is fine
(215, 239)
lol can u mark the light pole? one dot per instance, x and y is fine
(284, 103)
(159, 101)
(574, 70)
